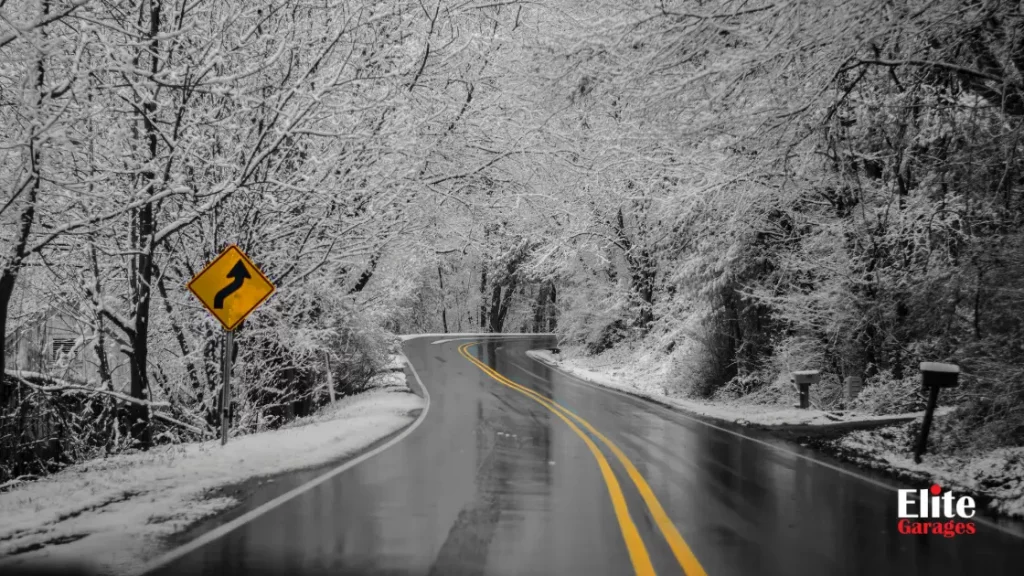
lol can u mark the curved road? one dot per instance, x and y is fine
(518, 469)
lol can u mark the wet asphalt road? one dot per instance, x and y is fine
(494, 481)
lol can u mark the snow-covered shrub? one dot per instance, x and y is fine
(780, 391)
(697, 359)
(884, 394)
(828, 393)
(739, 386)
(605, 335)
(793, 353)
(358, 351)
(594, 315)
(991, 412)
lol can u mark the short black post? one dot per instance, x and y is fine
(922, 438)
(934, 375)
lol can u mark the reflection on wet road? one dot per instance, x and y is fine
(496, 481)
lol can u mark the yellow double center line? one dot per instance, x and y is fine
(634, 543)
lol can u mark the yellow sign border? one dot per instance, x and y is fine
(232, 247)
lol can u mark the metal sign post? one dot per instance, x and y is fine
(225, 403)
(230, 288)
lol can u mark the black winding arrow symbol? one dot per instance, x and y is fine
(238, 274)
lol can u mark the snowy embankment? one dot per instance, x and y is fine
(115, 513)
(646, 384)
(995, 477)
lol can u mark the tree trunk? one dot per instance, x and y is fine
(501, 301)
(146, 222)
(540, 309)
(138, 414)
(552, 311)
(483, 296)
(544, 308)
(7, 280)
(101, 347)
(494, 323)
(642, 271)
(444, 309)
(364, 278)
(643, 277)
(977, 305)
(16, 259)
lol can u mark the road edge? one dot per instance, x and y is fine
(995, 522)
(785, 431)
(639, 395)
(207, 537)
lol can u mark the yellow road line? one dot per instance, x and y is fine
(634, 543)
(687, 560)
(691, 566)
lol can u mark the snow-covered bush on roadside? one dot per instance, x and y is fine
(882, 394)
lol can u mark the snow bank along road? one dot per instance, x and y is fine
(518, 469)
(111, 514)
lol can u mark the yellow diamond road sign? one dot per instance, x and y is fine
(231, 287)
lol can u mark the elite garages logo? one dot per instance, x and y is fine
(932, 512)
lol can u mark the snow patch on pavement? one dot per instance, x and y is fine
(113, 512)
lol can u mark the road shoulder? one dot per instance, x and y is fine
(119, 512)
(879, 443)
(788, 421)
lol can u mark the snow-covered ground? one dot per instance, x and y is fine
(996, 476)
(406, 337)
(114, 512)
(646, 383)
